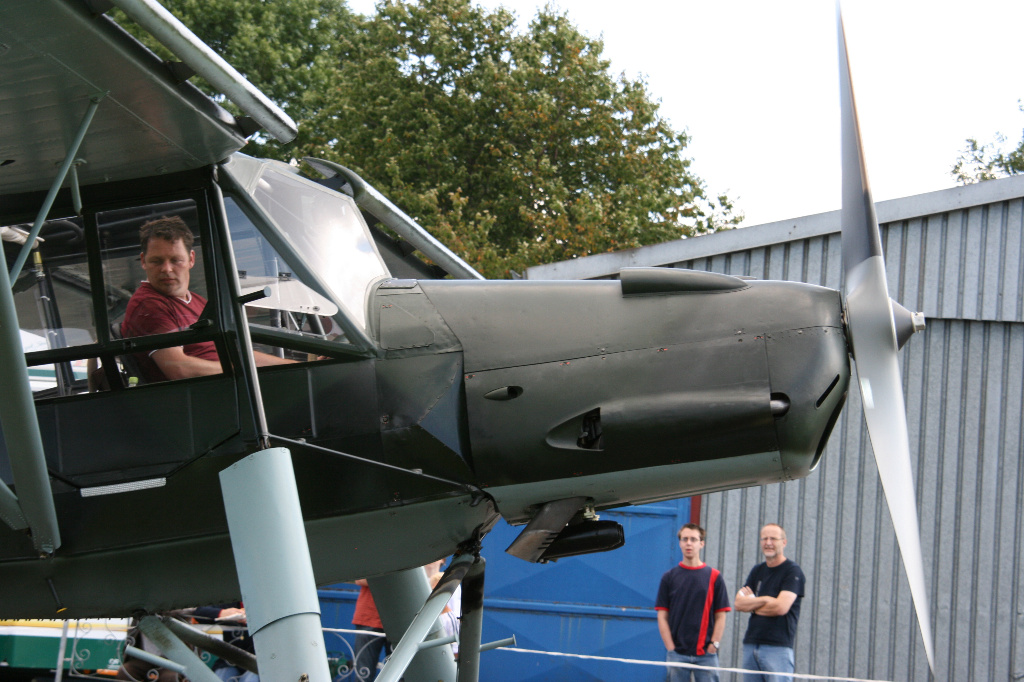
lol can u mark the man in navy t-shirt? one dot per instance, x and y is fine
(692, 603)
(772, 595)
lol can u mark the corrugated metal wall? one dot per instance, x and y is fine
(958, 255)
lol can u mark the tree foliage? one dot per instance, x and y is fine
(980, 162)
(286, 48)
(514, 148)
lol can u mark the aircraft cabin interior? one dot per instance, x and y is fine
(300, 257)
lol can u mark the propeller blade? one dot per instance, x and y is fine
(873, 342)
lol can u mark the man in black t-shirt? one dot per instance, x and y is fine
(772, 595)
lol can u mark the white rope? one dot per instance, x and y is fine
(370, 633)
(634, 661)
(797, 676)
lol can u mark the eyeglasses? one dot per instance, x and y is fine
(771, 539)
(689, 539)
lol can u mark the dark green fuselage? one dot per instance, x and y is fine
(494, 384)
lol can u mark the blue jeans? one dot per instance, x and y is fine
(683, 674)
(769, 659)
(367, 654)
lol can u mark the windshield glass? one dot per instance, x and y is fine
(325, 229)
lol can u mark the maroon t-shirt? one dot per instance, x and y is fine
(151, 312)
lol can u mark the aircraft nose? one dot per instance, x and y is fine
(809, 373)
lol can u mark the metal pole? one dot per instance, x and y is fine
(159, 661)
(249, 372)
(395, 595)
(44, 211)
(174, 649)
(176, 37)
(60, 652)
(472, 622)
(499, 643)
(268, 539)
(10, 510)
(21, 429)
(217, 647)
(76, 190)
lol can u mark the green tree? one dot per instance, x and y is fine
(980, 162)
(514, 148)
(287, 48)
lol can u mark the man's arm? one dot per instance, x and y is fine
(266, 359)
(777, 606)
(212, 613)
(665, 630)
(176, 365)
(719, 629)
(746, 601)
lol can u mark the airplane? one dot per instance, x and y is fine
(424, 403)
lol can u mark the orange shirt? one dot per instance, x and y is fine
(366, 610)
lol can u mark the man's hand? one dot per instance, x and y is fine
(665, 631)
(232, 614)
(746, 601)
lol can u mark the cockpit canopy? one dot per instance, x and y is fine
(322, 228)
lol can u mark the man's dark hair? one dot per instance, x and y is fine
(691, 526)
(170, 228)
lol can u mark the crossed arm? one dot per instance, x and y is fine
(764, 606)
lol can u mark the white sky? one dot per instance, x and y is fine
(755, 84)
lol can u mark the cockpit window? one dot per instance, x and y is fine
(64, 304)
(53, 300)
(291, 305)
(119, 242)
(52, 294)
(323, 227)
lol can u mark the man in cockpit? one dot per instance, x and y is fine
(163, 303)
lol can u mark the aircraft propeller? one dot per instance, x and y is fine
(875, 335)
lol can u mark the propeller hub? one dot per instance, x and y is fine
(906, 323)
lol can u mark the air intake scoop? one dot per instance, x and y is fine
(648, 281)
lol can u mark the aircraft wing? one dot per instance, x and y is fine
(58, 55)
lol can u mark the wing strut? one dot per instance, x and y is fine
(268, 540)
(21, 433)
(177, 38)
(44, 210)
